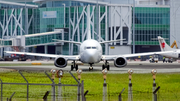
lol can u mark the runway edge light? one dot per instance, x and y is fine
(53, 71)
(79, 71)
(60, 73)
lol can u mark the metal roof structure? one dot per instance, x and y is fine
(18, 4)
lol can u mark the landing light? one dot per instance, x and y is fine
(154, 71)
(104, 74)
(130, 71)
(105, 71)
(79, 71)
(53, 71)
(60, 73)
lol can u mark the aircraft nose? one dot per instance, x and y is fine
(91, 56)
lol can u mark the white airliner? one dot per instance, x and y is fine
(165, 47)
(90, 53)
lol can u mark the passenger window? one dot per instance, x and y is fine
(88, 47)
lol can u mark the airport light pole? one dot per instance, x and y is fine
(104, 72)
(154, 72)
(53, 71)
(130, 95)
(60, 75)
(79, 71)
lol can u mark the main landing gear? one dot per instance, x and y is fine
(74, 66)
(106, 65)
(90, 68)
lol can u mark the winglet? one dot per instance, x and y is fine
(163, 45)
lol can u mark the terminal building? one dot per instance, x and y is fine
(31, 26)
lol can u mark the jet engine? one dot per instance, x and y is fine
(60, 62)
(120, 62)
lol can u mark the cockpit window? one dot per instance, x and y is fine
(93, 47)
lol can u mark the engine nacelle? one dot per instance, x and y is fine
(120, 62)
(60, 62)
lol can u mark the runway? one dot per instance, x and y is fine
(137, 66)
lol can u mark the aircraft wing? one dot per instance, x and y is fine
(112, 57)
(68, 41)
(68, 57)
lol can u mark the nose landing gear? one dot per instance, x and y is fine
(90, 68)
(106, 65)
(74, 66)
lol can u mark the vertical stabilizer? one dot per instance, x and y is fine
(163, 45)
(88, 23)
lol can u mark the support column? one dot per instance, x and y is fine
(46, 49)
(1, 52)
(163, 3)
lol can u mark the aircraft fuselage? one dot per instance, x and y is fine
(90, 51)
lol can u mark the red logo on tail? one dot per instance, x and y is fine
(163, 45)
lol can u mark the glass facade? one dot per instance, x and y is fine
(5, 42)
(42, 24)
(49, 24)
(5, 14)
(151, 22)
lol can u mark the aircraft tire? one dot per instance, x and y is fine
(72, 68)
(103, 67)
(108, 67)
(76, 67)
(90, 68)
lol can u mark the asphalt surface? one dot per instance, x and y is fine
(136, 66)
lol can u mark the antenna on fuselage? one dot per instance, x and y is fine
(88, 23)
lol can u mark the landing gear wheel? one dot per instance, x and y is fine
(76, 67)
(107, 67)
(103, 67)
(72, 67)
(90, 68)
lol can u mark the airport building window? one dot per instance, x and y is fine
(151, 22)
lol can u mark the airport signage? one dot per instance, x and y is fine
(49, 14)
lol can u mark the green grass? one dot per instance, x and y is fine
(93, 82)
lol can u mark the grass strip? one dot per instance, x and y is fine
(93, 82)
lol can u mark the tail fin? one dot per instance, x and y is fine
(163, 45)
(88, 23)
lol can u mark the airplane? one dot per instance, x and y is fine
(90, 53)
(165, 47)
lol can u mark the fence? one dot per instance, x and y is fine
(56, 94)
(71, 92)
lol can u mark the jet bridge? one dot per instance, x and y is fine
(5, 43)
(19, 43)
